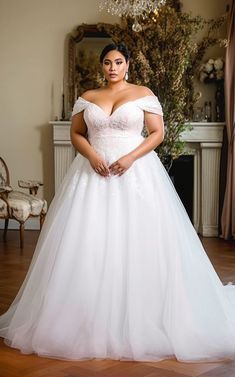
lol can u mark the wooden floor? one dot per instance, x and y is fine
(13, 267)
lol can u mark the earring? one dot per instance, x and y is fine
(126, 76)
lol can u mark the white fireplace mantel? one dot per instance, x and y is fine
(204, 141)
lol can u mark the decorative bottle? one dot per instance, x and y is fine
(219, 103)
(207, 111)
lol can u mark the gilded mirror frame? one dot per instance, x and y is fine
(82, 31)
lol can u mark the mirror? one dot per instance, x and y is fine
(84, 70)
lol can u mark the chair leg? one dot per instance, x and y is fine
(42, 218)
(21, 235)
(5, 230)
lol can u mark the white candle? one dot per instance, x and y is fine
(62, 86)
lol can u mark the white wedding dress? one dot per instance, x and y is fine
(119, 271)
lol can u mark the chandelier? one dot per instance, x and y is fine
(131, 8)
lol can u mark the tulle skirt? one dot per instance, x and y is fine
(119, 272)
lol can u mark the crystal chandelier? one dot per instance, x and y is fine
(131, 8)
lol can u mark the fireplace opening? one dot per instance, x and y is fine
(181, 174)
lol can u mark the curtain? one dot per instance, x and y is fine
(228, 212)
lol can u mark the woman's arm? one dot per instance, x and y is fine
(78, 133)
(155, 127)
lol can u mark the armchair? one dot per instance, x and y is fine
(19, 205)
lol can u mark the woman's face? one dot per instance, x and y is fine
(114, 66)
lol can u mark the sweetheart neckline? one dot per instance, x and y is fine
(125, 103)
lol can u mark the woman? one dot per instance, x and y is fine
(119, 271)
(118, 92)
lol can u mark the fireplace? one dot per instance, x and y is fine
(203, 143)
(181, 174)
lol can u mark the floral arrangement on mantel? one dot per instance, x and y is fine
(212, 71)
(166, 58)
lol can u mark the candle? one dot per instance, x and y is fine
(62, 86)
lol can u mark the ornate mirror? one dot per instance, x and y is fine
(84, 70)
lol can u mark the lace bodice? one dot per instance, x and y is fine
(114, 135)
(126, 120)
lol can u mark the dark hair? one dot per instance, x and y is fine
(118, 47)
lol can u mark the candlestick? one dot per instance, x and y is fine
(63, 110)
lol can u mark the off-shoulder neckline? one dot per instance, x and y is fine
(124, 104)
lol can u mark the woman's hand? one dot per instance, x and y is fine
(99, 164)
(122, 165)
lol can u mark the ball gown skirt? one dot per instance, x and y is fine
(119, 271)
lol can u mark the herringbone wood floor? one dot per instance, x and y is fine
(13, 266)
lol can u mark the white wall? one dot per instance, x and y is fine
(32, 43)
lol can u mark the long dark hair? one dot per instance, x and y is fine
(118, 47)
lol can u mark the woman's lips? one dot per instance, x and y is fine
(112, 74)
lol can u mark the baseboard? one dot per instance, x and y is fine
(30, 224)
(209, 231)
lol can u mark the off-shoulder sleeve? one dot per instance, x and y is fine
(79, 105)
(150, 104)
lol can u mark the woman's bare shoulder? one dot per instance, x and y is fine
(89, 95)
(142, 91)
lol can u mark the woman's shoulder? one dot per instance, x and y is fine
(89, 95)
(141, 91)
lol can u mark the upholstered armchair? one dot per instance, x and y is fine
(19, 205)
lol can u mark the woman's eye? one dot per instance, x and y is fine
(118, 63)
(106, 63)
